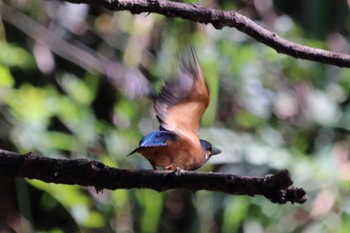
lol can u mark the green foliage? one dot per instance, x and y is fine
(235, 212)
(151, 209)
(15, 56)
(268, 111)
(6, 80)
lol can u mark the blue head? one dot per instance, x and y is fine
(208, 149)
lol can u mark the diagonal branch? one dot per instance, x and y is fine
(278, 188)
(118, 74)
(219, 19)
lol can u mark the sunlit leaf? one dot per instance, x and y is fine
(77, 89)
(151, 203)
(6, 79)
(235, 212)
(13, 55)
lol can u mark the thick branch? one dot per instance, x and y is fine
(219, 19)
(277, 188)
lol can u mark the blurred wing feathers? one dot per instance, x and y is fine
(181, 104)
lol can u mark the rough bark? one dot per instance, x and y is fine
(219, 19)
(278, 188)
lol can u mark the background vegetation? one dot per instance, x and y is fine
(73, 80)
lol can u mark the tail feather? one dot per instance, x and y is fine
(132, 152)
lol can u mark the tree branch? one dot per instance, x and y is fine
(278, 188)
(116, 73)
(219, 19)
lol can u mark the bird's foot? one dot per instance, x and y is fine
(178, 171)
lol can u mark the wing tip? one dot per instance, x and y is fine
(190, 61)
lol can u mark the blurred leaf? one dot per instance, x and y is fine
(151, 203)
(6, 79)
(74, 200)
(56, 230)
(77, 89)
(235, 212)
(94, 220)
(13, 55)
(345, 80)
(60, 141)
(70, 196)
(248, 120)
(270, 111)
(32, 105)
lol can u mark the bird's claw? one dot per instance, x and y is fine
(178, 171)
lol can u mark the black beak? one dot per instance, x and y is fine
(215, 151)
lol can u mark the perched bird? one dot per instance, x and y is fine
(179, 107)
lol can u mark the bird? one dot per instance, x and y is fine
(179, 107)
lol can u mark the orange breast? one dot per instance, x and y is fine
(158, 156)
(183, 153)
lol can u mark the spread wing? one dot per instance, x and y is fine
(180, 105)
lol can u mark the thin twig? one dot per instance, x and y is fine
(278, 188)
(219, 19)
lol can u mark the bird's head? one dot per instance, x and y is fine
(208, 149)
